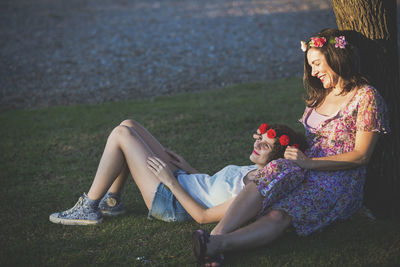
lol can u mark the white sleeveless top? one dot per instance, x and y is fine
(214, 190)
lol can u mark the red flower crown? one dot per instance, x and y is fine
(284, 140)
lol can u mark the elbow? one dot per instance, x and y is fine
(203, 218)
(363, 160)
(200, 219)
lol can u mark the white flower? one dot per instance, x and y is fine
(303, 46)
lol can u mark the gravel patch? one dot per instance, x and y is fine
(57, 52)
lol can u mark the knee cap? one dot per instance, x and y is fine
(129, 123)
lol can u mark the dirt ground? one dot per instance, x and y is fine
(56, 52)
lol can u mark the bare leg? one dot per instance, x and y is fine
(120, 181)
(154, 145)
(245, 207)
(247, 204)
(261, 232)
(124, 144)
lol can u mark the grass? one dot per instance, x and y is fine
(49, 156)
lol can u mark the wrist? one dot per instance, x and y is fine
(310, 163)
(171, 183)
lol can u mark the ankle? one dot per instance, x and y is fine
(217, 231)
(91, 203)
(92, 197)
(215, 245)
(113, 194)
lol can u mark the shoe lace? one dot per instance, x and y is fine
(77, 205)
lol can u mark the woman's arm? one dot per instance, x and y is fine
(364, 146)
(198, 212)
(180, 162)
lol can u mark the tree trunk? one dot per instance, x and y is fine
(374, 30)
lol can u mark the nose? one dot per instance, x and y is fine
(313, 72)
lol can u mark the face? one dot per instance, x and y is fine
(320, 68)
(262, 148)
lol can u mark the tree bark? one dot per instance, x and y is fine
(373, 26)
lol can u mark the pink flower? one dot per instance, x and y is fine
(340, 42)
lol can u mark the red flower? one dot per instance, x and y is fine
(318, 42)
(263, 128)
(296, 146)
(284, 140)
(271, 133)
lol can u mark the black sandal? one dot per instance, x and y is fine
(200, 239)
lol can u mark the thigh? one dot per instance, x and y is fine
(136, 153)
(151, 141)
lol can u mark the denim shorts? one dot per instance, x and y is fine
(166, 207)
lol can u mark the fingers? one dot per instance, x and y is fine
(291, 153)
(257, 135)
(155, 164)
(292, 148)
(157, 161)
(152, 166)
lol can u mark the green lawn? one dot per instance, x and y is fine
(49, 156)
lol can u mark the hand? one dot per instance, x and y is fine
(179, 162)
(257, 135)
(294, 154)
(161, 170)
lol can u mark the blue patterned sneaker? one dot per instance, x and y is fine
(111, 205)
(85, 212)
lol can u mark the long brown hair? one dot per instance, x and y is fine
(345, 62)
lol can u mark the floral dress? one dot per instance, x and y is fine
(328, 196)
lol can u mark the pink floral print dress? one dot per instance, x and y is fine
(323, 197)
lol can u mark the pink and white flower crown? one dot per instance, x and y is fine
(339, 42)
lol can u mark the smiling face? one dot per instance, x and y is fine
(262, 149)
(320, 68)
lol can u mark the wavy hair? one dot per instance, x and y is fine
(345, 62)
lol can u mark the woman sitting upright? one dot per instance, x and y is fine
(343, 118)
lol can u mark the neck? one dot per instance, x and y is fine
(260, 166)
(338, 88)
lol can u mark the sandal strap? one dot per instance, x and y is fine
(203, 238)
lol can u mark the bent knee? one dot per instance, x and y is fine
(279, 216)
(121, 130)
(129, 123)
